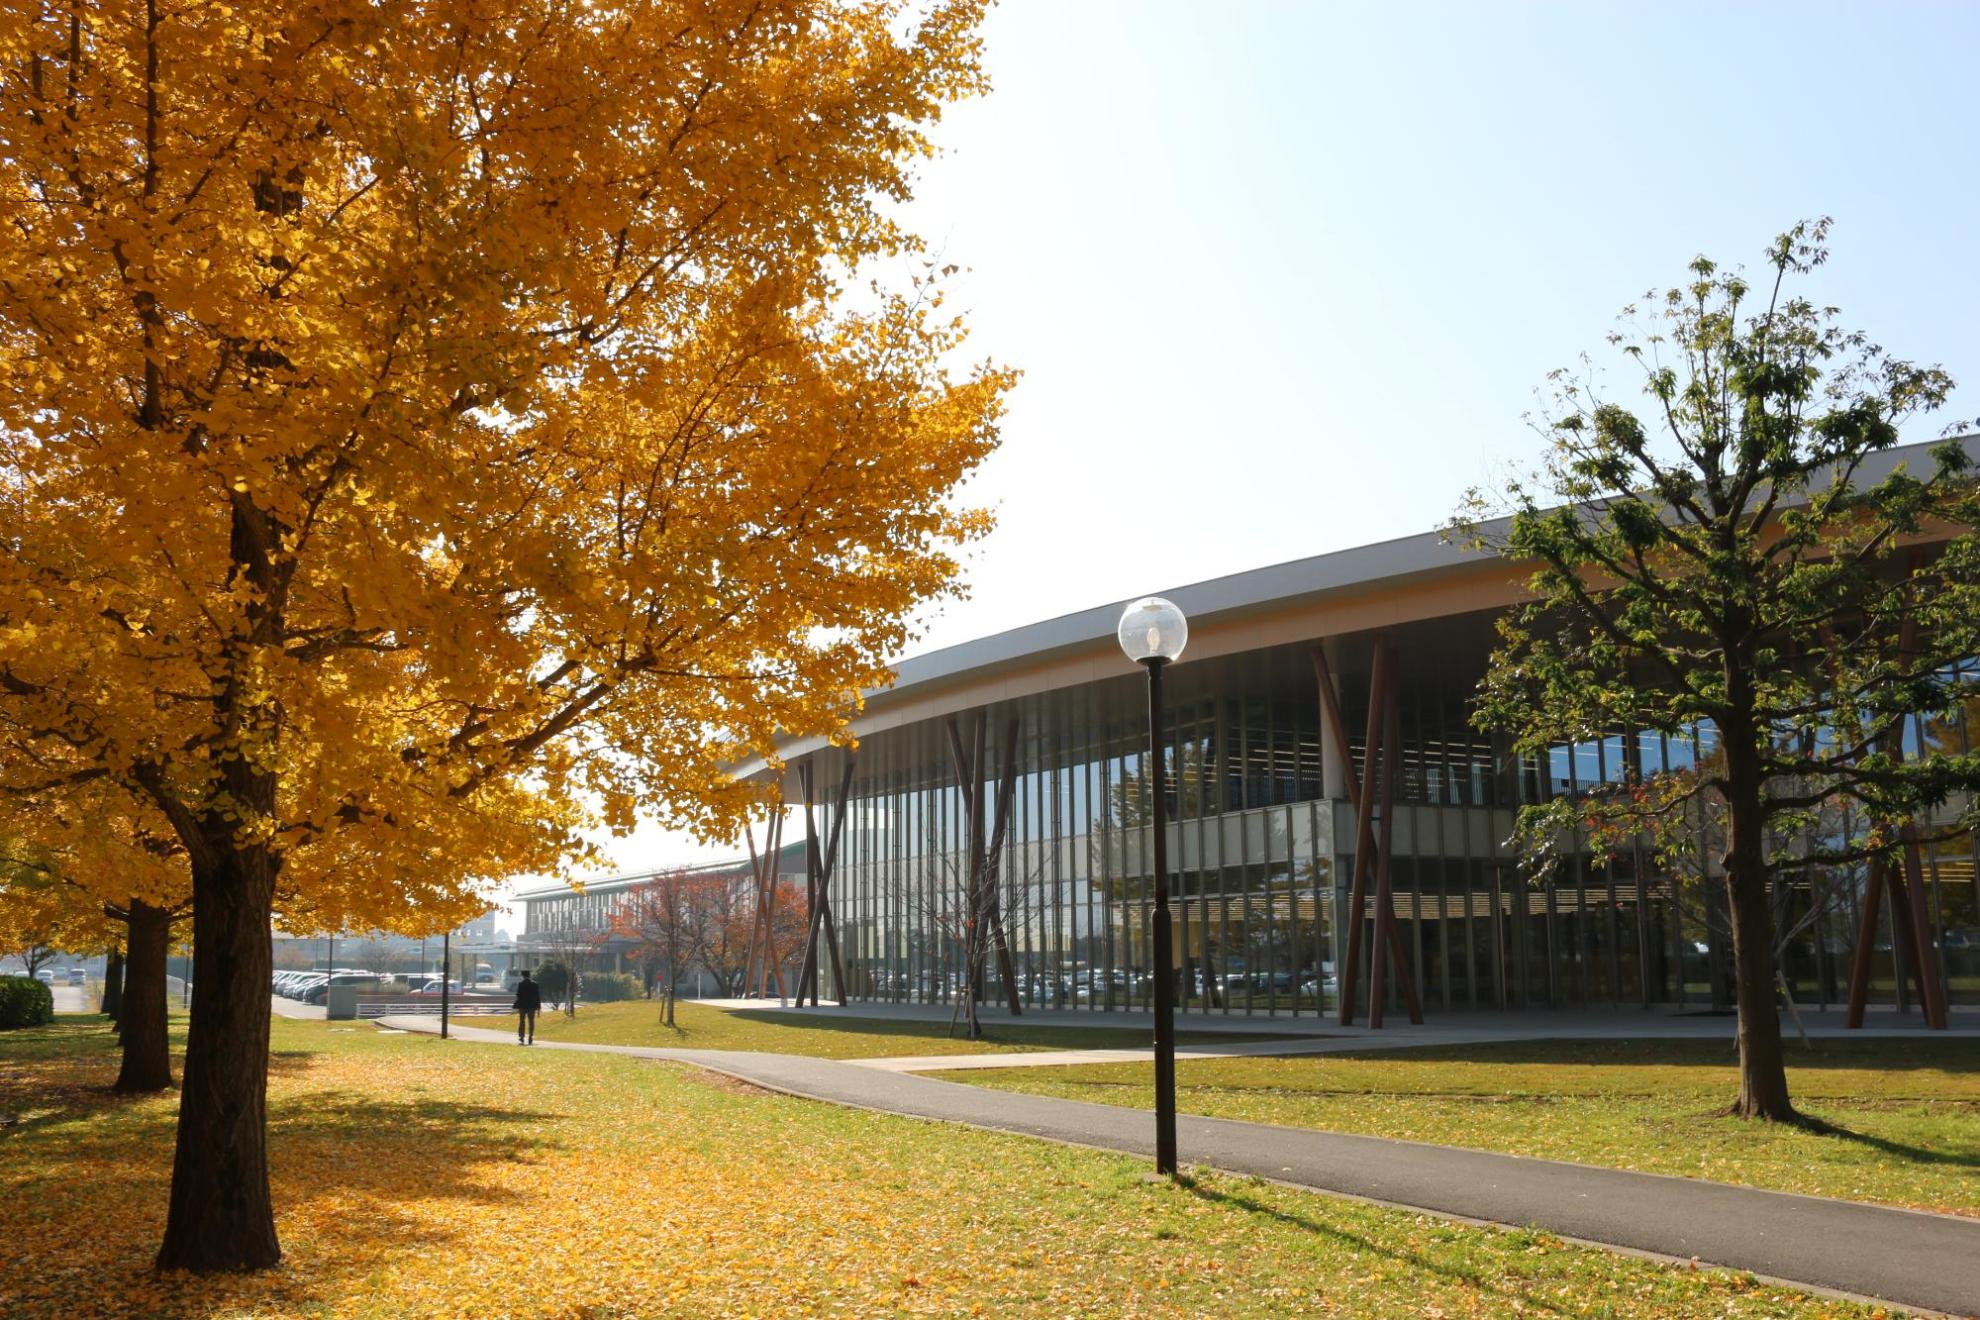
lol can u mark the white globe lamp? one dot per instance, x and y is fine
(1153, 629)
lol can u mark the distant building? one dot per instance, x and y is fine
(381, 951)
(563, 922)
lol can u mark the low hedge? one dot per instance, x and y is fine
(608, 987)
(25, 1002)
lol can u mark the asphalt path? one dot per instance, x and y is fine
(73, 999)
(1911, 1258)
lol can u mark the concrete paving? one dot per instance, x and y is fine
(1282, 1024)
(295, 1008)
(1269, 1046)
(73, 998)
(1913, 1259)
(1364, 1040)
(1467, 1024)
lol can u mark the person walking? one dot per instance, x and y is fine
(529, 1000)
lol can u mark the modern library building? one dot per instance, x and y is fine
(1027, 751)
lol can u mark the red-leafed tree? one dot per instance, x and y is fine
(663, 919)
(679, 920)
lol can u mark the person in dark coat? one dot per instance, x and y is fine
(529, 1000)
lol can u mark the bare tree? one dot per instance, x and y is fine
(665, 920)
(978, 913)
(373, 952)
(30, 950)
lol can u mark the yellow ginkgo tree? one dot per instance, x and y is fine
(92, 863)
(419, 420)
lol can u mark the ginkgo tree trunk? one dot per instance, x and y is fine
(144, 1012)
(80, 882)
(426, 429)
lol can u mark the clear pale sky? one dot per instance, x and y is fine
(1282, 277)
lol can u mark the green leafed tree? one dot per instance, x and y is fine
(1735, 552)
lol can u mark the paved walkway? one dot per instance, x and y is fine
(1913, 1259)
(283, 1006)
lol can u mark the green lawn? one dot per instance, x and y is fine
(794, 1031)
(1906, 1112)
(417, 1177)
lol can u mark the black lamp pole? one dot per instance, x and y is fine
(445, 941)
(1165, 1003)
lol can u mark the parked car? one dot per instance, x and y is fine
(46, 976)
(433, 988)
(301, 987)
(78, 976)
(320, 992)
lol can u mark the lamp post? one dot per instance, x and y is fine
(1152, 633)
(445, 941)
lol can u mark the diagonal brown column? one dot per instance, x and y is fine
(1908, 925)
(1931, 989)
(1387, 934)
(1911, 925)
(758, 962)
(808, 969)
(755, 903)
(1330, 709)
(992, 866)
(831, 861)
(1866, 944)
(1364, 844)
(773, 889)
(969, 783)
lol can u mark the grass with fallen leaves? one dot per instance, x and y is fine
(416, 1177)
(1905, 1113)
(701, 1027)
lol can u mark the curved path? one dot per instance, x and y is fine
(1914, 1259)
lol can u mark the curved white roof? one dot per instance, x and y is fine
(1305, 599)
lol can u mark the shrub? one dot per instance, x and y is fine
(610, 987)
(25, 1002)
(552, 979)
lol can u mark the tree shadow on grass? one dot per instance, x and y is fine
(360, 1182)
(1956, 1055)
(47, 1090)
(1824, 1127)
(1528, 1299)
(376, 1155)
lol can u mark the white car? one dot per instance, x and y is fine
(46, 976)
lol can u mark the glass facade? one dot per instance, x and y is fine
(1251, 847)
(1261, 842)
